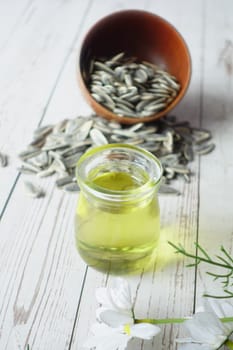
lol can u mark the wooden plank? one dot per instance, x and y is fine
(167, 290)
(215, 223)
(33, 249)
(12, 14)
(30, 65)
(35, 309)
(41, 274)
(43, 287)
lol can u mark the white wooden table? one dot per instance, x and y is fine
(47, 294)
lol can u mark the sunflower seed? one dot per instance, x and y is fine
(165, 189)
(124, 132)
(128, 80)
(156, 137)
(168, 142)
(118, 57)
(30, 166)
(134, 141)
(136, 127)
(43, 131)
(114, 125)
(152, 147)
(97, 97)
(169, 173)
(33, 190)
(103, 67)
(71, 161)
(117, 139)
(205, 149)
(41, 160)
(59, 127)
(200, 135)
(123, 110)
(84, 130)
(98, 137)
(188, 152)
(26, 171)
(30, 152)
(58, 163)
(120, 101)
(47, 172)
(180, 169)
(187, 178)
(64, 181)
(72, 187)
(3, 160)
(141, 75)
(54, 146)
(77, 147)
(38, 141)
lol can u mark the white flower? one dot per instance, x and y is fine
(206, 330)
(107, 338)
(116, 315)
(223, 308)
(117, 298)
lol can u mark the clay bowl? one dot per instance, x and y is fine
(140, 34)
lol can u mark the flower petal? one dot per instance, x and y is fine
(144, 330)
(188, 343)
(117, 298)
(108, 342)
(106, 338)
(121, 294)
(115, 318)
(103, 297)
(102, 329)
(194, 347)
(221, 309)
(206, 328)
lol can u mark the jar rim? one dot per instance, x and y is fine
(95, 189)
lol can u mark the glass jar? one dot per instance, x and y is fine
(117, 219)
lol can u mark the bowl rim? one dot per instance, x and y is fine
(107, 113)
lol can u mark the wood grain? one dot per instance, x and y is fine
(30, 68)
(47, 294)
(216, 185)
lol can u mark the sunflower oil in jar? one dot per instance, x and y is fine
(117, 218)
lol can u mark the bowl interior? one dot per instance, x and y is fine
(140, 34)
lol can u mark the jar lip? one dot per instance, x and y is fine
(146, 188)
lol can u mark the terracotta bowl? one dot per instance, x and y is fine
(141, 34)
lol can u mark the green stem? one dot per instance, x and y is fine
(174, 320)
(181, 250)
(226, 319)
(229, 344)
(160, 320)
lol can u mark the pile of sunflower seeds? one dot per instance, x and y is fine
(55, 149)
(130, 88)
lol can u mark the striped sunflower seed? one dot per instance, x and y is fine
(33, 190)
(3, 160)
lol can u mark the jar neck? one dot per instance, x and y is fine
(119, 174)
(114, 199)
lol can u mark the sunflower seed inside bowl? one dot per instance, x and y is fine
(174, 143)
(131, 88)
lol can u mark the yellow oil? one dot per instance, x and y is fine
(117, 239)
